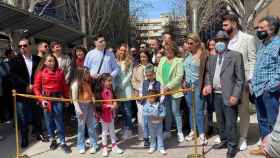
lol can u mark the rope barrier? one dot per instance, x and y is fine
(100, 101)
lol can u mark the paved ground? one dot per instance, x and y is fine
(133, 147)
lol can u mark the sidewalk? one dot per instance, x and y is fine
(132, 147)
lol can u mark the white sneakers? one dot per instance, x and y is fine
(242, 144)
(152, 150)
(82, 151)
(190, 136)
(181, 137)
(163, 152)
(117, 150)
(105, 152)
(217, 140)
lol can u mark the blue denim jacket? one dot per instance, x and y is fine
(155, 112)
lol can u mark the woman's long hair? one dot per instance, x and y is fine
(195, 37)
(42, 65)
(128, 58)
(79, 77)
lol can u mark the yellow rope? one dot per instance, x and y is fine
(99, 101)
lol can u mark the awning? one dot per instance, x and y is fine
(46, 28)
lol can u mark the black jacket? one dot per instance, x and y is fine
(19, 72)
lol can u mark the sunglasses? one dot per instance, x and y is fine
(22, 46)
(190, 43)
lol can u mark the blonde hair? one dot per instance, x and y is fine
(195, 37)
(128, 58)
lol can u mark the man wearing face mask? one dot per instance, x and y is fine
(225, 78)
(266, 77)
(246, 45)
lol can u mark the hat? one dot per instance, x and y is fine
(221, 35)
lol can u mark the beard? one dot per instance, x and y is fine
(230, 31)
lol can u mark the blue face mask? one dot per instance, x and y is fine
(220, 47)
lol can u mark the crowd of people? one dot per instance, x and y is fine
(226, 73)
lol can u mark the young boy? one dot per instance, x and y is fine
(155, 112)
(149, 83)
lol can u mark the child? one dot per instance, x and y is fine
(50, 81)
(81, 90)
(149, 84)
(107, 114)
(155, 111)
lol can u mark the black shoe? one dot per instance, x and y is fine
(66, 148)
(42, 137)
(231, 154)
(146, 142)
(24, 142)
(53, 145)
(220, 146)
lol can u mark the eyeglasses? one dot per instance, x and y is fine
(22, 46)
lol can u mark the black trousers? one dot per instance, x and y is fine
(227, 122)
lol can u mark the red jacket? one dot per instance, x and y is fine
(50, 82)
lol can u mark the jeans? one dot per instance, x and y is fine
(143, 129)
(126, 110)
(156, 132)
(267, 106)
(89, 120)
(172, 109)
(199, 108)
(56, 116)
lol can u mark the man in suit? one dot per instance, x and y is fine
(246, 45)
(225, 78)
(22, 69)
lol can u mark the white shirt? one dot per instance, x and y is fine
(29, 65)
(233, 43)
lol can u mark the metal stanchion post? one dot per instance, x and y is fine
(195, 154)
(16, 127)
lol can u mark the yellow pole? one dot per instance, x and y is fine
(195, 154)
(16, 123)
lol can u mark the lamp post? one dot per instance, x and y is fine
(194, 6)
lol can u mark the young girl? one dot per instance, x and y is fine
(155, 111)
(81, 90)
(107, 114)
(50, 81)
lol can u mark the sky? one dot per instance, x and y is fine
(158, 6)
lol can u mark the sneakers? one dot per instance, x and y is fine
(65, 148)
(53, 145)
(127, 134)
(217, 140)
(163, 152)
(92, 150)
(105, 152)
(151, 150)
(190, 136)
(117, 150)
(166, 135)
(259, 143)
(242, 145)
(202, 139)
(88, 142)
(181, 137)
(82, 151)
